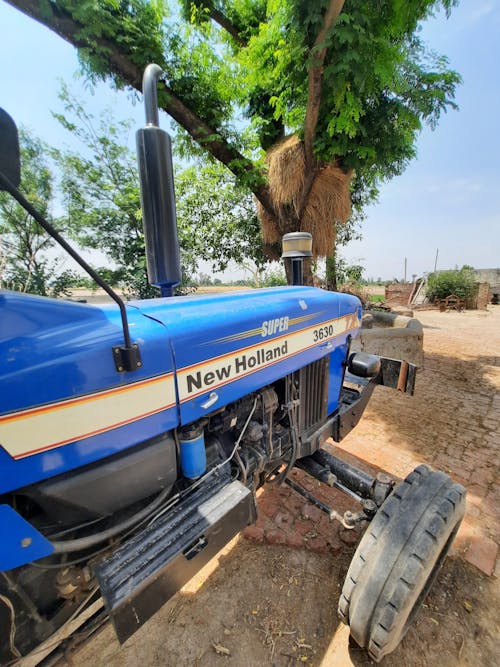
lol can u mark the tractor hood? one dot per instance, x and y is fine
(63, 404)
(228, 345)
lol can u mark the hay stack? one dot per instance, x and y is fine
(328, 203)
(286, 172)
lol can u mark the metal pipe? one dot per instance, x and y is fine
(149, 88)
(156, 175)
(167, 290)
(316, 470)
(329, 511)
(297, 271)
(353, 478)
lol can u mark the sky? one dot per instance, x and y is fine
(446, 203)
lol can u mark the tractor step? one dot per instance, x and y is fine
(149, 568)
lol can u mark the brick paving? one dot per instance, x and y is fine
(452, 423)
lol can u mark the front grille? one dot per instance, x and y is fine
(310, 386)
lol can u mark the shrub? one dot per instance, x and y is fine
(273, 277)
(443, 283)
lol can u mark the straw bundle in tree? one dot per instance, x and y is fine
(328, 204)
(286, 173)
(328, 201)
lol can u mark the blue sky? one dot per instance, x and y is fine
(448, 198)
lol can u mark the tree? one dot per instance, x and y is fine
(334, 92)
(273, 278)
(216, 218)
(335, 265)
(101, 193)
(24, 265)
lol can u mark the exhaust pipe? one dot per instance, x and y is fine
(154, 156)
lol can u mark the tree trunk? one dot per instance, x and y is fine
(308, 275)
(331, 272)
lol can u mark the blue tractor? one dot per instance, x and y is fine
(133, 437)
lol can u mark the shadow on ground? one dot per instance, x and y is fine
(277, 606)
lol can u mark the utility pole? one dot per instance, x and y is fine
(436, 260)
(406, 262)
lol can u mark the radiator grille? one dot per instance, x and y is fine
(310, 385)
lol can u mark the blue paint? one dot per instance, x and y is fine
(51, 350)
(200, 328)
(20, 543)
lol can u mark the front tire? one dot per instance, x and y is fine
(398, 559)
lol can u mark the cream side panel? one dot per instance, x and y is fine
(39, 429)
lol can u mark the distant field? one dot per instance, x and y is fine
(375, 292)
(99, 296)
(206, 289)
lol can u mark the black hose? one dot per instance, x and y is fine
(68, 546)
(242, 467)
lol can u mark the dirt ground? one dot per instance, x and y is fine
(265, 604)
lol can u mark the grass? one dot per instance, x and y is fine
(376, 298)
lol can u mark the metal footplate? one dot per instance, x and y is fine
(149, 568)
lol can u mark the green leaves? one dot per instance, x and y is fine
(135, 26)
(24, 265)
(216, 216)
(460, 282)
(230, 60)
(242, 67)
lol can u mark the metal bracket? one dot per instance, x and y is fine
(397, 374)
(127, 358)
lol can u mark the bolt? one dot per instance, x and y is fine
(369, 507)
(120, 369)
(25, 542)
(383, 478)
(139, 364)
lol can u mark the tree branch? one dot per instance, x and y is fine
(64, 25)
(225, 23)
(318, 53)
(218, 16)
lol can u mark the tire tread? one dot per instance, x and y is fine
(441, 515)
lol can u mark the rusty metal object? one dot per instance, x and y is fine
(403, 376)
